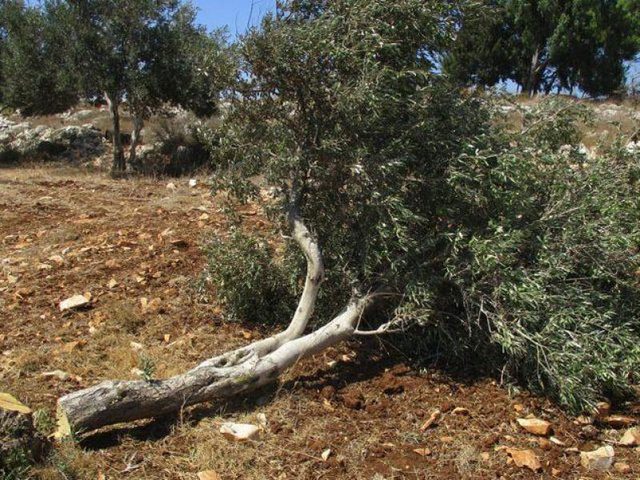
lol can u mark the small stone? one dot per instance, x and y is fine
(171, 186)
(57, 259)
(622, 468)
(58, 374)
(325, 455)
(525, 458)
(600, 459)
(239, 431)
(75, 302)
(435, 416)
(583, 420)
(535, 426)
(112, 283)
(631, 437)
(423, 452)
(208, 475)
(179, 243)
(620, 421)
(545, 444)
(460, 411)
(193, 183)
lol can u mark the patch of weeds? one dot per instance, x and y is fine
(147, 366)
(15, 465)
(466, 460)
(44, 422)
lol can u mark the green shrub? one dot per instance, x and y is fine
(544, 255)
(248, 281)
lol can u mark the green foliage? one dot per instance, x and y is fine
(147, 366)
(44, 422)
(511, 249)
(15, 465)
(543, 45)
(545, 257)
(249, 282)
(37, 74)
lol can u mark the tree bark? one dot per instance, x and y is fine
(240, 370)
(138, 123)
(119, 165)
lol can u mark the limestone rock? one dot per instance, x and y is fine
(535, 426)
(600, 459)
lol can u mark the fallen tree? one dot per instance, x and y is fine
(510, 247)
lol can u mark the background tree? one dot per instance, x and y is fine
(38, 76)
(147, 53)
(545, 44)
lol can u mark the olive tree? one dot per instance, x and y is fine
(410, 212)
(145, 54)
(38, 76)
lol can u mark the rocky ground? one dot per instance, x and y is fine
(132, 249)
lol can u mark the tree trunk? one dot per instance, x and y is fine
(532, 81)
(241, 370)
(119, 165)
(138, 123)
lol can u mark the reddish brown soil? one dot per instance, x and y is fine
(64, 232)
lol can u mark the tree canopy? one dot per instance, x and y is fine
(38, 74)
(541, 45)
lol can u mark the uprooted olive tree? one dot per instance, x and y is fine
(416, 212)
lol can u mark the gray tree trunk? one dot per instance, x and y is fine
(238, 371)
(119, 165)
(138, 123)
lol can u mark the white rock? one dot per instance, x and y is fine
(171, 186)
(600, 459)
(193, 183)
(59, 374)
(239, 431)
(74, 302)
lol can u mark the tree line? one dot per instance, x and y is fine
(146, 54)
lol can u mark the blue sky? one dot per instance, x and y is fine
(235, 14)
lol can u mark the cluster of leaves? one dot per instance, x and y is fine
(37, 76)
(248, 280)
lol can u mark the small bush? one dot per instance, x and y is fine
(180, 149)
(249, 282)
